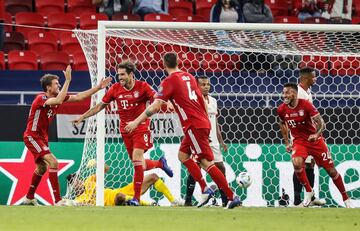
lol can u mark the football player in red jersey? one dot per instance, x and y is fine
(182, 90)
(42, 112)
(131, 97)
(306, 125)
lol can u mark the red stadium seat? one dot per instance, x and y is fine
(54, 61)
(125, 17)
(80, 63)
(355, 20)
(8, 19)
(286, 19)
(16, 6)
(13, 41)
(30, 19)
(90, 21)
(158, 17)
(316, 20)
(42, 42)
(165, 47)
(22, 60)
(138, 46)
(79, 7)
(148, 61)
(177, 9)
(203, 9)
(345, 65)
(321, 63)
(46, 7)
(216, 62)
(2, 60)
(189, 61)
(190, 18)
(63, 21)
(69, 43)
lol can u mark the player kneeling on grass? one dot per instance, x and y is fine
(86, 191)
(306, 126)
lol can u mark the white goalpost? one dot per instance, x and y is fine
(247, 64)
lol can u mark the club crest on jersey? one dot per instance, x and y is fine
(301, 112)
(136, 94)
(120, 96)
(286, 116)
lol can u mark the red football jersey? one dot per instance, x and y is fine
(298, 119)
(130, 103)
(40, 117)
(181, 88)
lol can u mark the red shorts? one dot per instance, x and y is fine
(317, 149)
(196, 142)
(139, 140)
(38, 147)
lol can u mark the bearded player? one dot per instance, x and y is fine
(181, 89)
(306, 125)
(42, 112)
(131, 97)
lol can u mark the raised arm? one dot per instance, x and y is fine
(85, 94)
(149, 111)
(59, 99)
(92, 111)
(285, 133)
(320, 127)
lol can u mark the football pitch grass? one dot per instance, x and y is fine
(179, 218)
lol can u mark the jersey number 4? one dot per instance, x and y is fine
(192, 94)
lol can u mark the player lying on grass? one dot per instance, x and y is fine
(86, 191)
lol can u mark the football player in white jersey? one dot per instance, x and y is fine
(216, 139)
(307, 80)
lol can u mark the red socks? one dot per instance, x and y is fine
(35, 181)
(54, 181)
(337, 179)
(138, 178)
(150, 164)
(301, 175)
(195, 172)
(220, 180)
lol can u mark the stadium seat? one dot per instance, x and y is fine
(79, 62)
(89, 21)
(79, 7)
(278, 7)
(42, 42)
(189, 61)
(2, 60)
(321, 63)
(132, 46)
(125, 17)
(203, 9)
(216, 62)
(355, 20)
(69, 43)
(30, 19)
(190, 18)
(16, 6)
(286, 19)
(148, 61)
(345, 65)
(63, 21)
(54, 61)
(180, 8)
(315, 20)
(165, 47)
(46, 7)
(158, 17)
(22, 60)
(8, 19)
(13, 41)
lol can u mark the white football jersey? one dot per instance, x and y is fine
(212, 113)
(302, 94)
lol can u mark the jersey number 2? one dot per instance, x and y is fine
(192, 94)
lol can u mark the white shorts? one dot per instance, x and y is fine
(309, 159)
(218, 157)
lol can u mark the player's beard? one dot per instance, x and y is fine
(288, 101)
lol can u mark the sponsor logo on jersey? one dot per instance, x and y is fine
(294, 114)
(128, 96)
(120, 96)
(286, 115)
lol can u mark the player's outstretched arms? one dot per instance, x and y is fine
(285, 133)
(151, 110)
(85, 94)
(320, 126)
(59, 99)
(92, 111)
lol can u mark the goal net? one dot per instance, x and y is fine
(247, 66)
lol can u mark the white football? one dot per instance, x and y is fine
(244, 179)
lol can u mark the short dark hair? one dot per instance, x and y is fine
(291, 85)
(306, 70)
(170, 60)
(128, 66)
(46, 80)
(201, 77)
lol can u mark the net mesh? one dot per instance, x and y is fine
(247, 70)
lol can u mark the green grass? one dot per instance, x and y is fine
(184, 219)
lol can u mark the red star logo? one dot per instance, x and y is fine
(20, 171)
